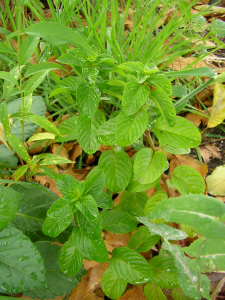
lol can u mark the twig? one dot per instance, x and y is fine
(210, 142)
(218, 289)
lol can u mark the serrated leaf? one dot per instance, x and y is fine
(104, 201)
(70, 259)
(212, 255)
(68, 130)
(153, 292)
(58, 283)
(91, 249)
(129, 265)
(112, 285)
(183, 134)
(67, 185)
(53, 226)
(91, 227)
(216, 182)
(94, 183)
(118, 221)
(87, 131)
(9, 202)
(20, 270)
(88, 97)
(130, 128)
(61, 208)
(88, 207)
(117, 170)
(134, 97)
(134, 203)
(148, 166)
(142, 240)
(107, 132)
(199, 211)
(162, 83)
(187, 180)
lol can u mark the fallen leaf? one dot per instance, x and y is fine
(134, 293)
(49, 183)
(222, 199)
(63, 153)
(216, 182)
(218, 108)
(182, 62)
(77, 151)
(209, 151)
(114, 240)
(90, 160)
(78, 174)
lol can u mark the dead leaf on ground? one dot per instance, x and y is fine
(222, 199)
(63, 153)
(209, 151)
(77, 151)
(49, 183)
(133, 293)
(218, 108)
(114, 240)
(78, 174)
(182, 62)
(216, 182)
(117, 199)
(90, 160)
(88, 264)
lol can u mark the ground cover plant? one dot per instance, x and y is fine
(119, 94)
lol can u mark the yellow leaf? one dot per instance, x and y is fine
(218, 108)
(216, 182)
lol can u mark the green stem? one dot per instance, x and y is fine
(198, 257)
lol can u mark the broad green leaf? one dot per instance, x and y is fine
(154, 200)
(19, 172)
(201, 212)
(42, 136)
(94, 183)
(88, 97)
(88, 207)
(187, 180)
(42, 122)
(91, 249)
(216, 182)
(134, 203)
(8, 86)
(67, 185)
(8, 77)
(183, 134)
(162, 83)
(46, 159)
(9, 201)
(112, 285)
(117, 170)
(142, 240)
(135, 186)
(58, 34)
(58, 283)
(87, 131)
(153, 292)
(130, 266)
(32, 213)
(49, 172)
(212, 255)
(53, 226)
(34, 82)
(188, 230)
(209, 72)
(20, 270)
(43, 66)
(27, 48)
(165, 105)
(132, 66)
(177, 294)
(165, 271)
(107, 132)
(70, 259)
(130, 128)
(61, 208)
(174, 150)
(218, 27)
(104, 201)
(118, 221)
(134, 97)
(7, 158)
(68, 130)
(148, 166)
(91, 227)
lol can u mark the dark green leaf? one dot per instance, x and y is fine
(92, 228)
(153, 292)
(68, 130)
(61, 208)
(107, 132)
(134, 203)
(53, 226)
(112, 285)
(7, 158)
(94, 183)
(67, 185)
(88, 207)
(104, 201)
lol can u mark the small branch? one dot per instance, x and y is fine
(210, 142)
(150, 141)
(217, 290)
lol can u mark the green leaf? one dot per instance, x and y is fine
(117, 170)
(107, 132)
(199, 211)
(212, 255)
(88, 98)
(91, 249)
(130, 266)
(165, 271)
(20, 270)
(148, 166)
(32, 213)
(42, 136)
(183, 134)
(88, 207)
(42, 122)
(94, 183)
(4, 116)
(162, 83)
(173, 150)
(153, 292)
(43, 66)
(104, 201)
(209, 72)
(49, 172)
(19, 172)
(7, 158)
(154, 200)
(134, 203)
(134, 97)
(165, 106)
(67, 185)
(62, 207)
(91, 227)
(70, 259)
(58, 34)
(28, 47)
(177, 294)
(34, 82)
(8, 77)
(87, 131)
(53, 226)
(118, 221)
(142, 240)
(9, 202)
(130, 128)
(58, 283)
(112, 285)
(68, 130)
(218, 27)
(46, 159)
(187, 180)
(135, 186)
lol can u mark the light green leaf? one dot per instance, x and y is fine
(130, 128)
(148, 166)
(68, 130)
(107, 132)
(104, 201)
(91, 249)
(4, 119)
(46, 159)
(53, 226)
(135, 186)
(49, 172)
(216, 182)
(90, 226)
(20, 270)
(41, 67)
(87, 131)
(142, 240)
(134, 203)
(94, 183)
(34, 82)
(162, 83)
(70, 259)
(188, 230)
(61, 208)
(130, 266)
(187, 180)
(88, 207)
(8, 77)
(88, 98)
(118, 221)
(112, 285)
(67, 185)
(42, 122)
(42, 136)
(153, 292)
(183, 134)
(132, 66)
(218, 27)
(177, 294)
(19, 172)
(154, 200)
(173, 150)
(28, 47)
(199, 211)
(117, 170)
(209, 72)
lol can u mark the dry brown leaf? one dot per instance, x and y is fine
(78, 174)
(134, 293)
(49, 183)
(117, 199)
(209, 151)
(63, 153)
(89, 283)
(88, 264)
(103, 148)
(90, 160)
(114, 240)
(182, 62)
(222, 199)
(77, 151)
(194, 118)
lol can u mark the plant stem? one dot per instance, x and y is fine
(217, 290)
(198, 257)
(150, 141)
